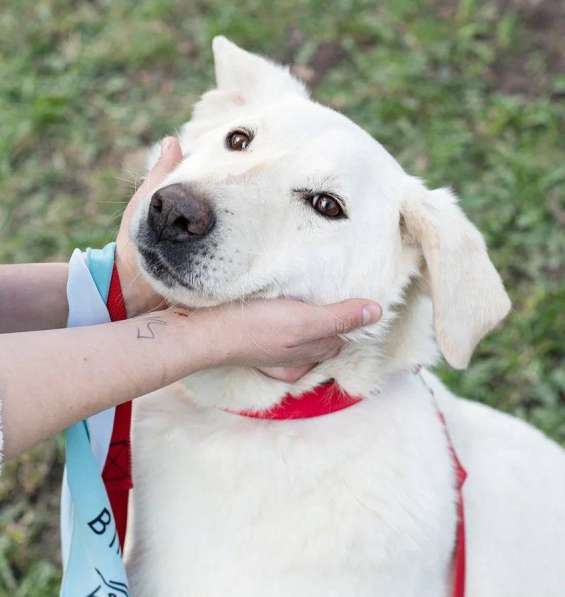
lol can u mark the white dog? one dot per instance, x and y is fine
(280, 196)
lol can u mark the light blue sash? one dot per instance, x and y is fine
(92, 562)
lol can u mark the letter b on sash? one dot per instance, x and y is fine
(99, 524)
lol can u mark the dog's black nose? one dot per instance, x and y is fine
(179, 214)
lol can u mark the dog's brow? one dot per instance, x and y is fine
(255, 167)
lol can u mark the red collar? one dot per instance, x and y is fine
(324, 399)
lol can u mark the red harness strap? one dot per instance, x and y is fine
(117, 469)
(459, 553)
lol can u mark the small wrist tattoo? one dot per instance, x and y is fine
(147, 331)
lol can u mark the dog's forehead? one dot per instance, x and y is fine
(323, 151)
(318, 139)
(302, 120)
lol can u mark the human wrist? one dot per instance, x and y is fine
(207, 336)
(185, 339)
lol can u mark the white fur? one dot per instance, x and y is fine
(360, 502)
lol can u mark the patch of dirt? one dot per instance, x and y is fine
(327, 55)
(544, 24)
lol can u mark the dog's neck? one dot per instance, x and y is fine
(360, 369)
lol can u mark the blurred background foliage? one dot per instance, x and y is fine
(466, 93)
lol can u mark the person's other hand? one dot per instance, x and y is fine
(138, 295)
(283, 338)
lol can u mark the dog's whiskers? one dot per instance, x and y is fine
(131, 178)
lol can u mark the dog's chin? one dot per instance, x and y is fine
(198, 298)
(177, 294)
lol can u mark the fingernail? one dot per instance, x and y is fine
(371, 313)
(166, 144)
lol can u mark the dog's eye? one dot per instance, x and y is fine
(239, 140)
(326, 205)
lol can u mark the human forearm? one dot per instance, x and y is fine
(33, 297)
(49, 380)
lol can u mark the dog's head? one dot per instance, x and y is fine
(280, 196)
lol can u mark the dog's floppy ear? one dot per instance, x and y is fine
(249, 76)
(467, 293)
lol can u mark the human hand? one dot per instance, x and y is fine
(138, 295)
(283, 338)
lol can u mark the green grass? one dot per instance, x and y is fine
(463, 93)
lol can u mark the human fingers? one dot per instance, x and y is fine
(170, 157)
(315, 322)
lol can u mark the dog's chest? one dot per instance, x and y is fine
(338, 505)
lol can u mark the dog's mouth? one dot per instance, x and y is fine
(157, 267)
(193, 288)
